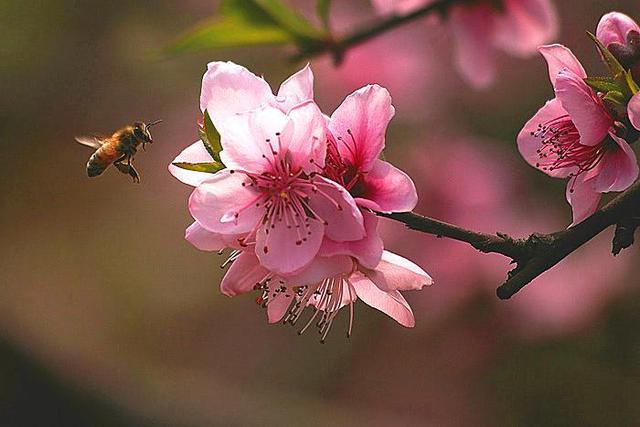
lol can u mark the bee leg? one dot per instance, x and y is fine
(132, 171)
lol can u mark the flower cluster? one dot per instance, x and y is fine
(296, 195)
(481, 27)
(584, 133)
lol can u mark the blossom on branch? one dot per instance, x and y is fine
(295, 194)
(577, 136)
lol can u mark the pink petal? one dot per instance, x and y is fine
(633, 109)
(560, 58)
(278, 306)
(391, 303)
(474, 54)
(587, 112)
(333, 204)
(215, 203)
(195, 153)
(582, 198)
(529, 144)
(525, 25)
(368, 251)
(390, 188)
(296, 89)
(285, 250)
(307, 143)
(385, 7)
(617, 170)
(248, 144)
(614, 27)
(228, 88)
(245, 272)
(395, 273)
(204, 239)
(359, 125)
(321, 268)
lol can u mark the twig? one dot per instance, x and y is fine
(539, 252)
(338, 46)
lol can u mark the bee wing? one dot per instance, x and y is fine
(90, 141)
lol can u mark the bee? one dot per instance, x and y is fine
(118, 149)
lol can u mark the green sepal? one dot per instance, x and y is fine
(621, 76)
(615, 97)
(210, 137)
(208, 167)
(603, 84)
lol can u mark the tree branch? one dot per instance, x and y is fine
(338, 46)
(539, 252)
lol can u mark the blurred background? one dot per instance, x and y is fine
(108, 317)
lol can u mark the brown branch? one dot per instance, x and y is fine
(338, 46)
(539, 252)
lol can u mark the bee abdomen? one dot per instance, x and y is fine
(97, 163)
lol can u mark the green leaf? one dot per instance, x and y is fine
(288, 19)
(209, 167)
(323, 7)
(631, 83)
(617, 70)
(210, 137)
(603, 84)
(615, 97)
(228, 32)
(248, 23)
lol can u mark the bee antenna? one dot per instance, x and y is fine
(154, 123)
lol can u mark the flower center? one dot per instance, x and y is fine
(561, 147)
(285, 195)
(341, 170)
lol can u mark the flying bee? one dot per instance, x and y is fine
(118, 149)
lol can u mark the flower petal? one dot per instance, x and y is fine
(245, 272)
(195, 153)
(474, 53)
(525, 25)
(529, 143)
(614, 27)
(204, 239)
(617, 170)
(333, 204)
(296, 89)
(368, 251)
(582, 198)
(395, 273)
(307, 143)
(228, 89)
(391, 303)
(633, 109)
(390, 188)
(223, 205)
(587, 112)
(278, 306)
(321, 268)
(249, 144)
(359, 125)
(560, 58)
(285, 250)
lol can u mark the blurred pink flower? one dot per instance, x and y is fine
(517, 27)
(496, 198)
(328, 284)
(573, 137)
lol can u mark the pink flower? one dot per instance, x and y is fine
(270, 196)
(517, 27)
(357, 137)
(327, 285)
(573, 137)
(621, 35)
